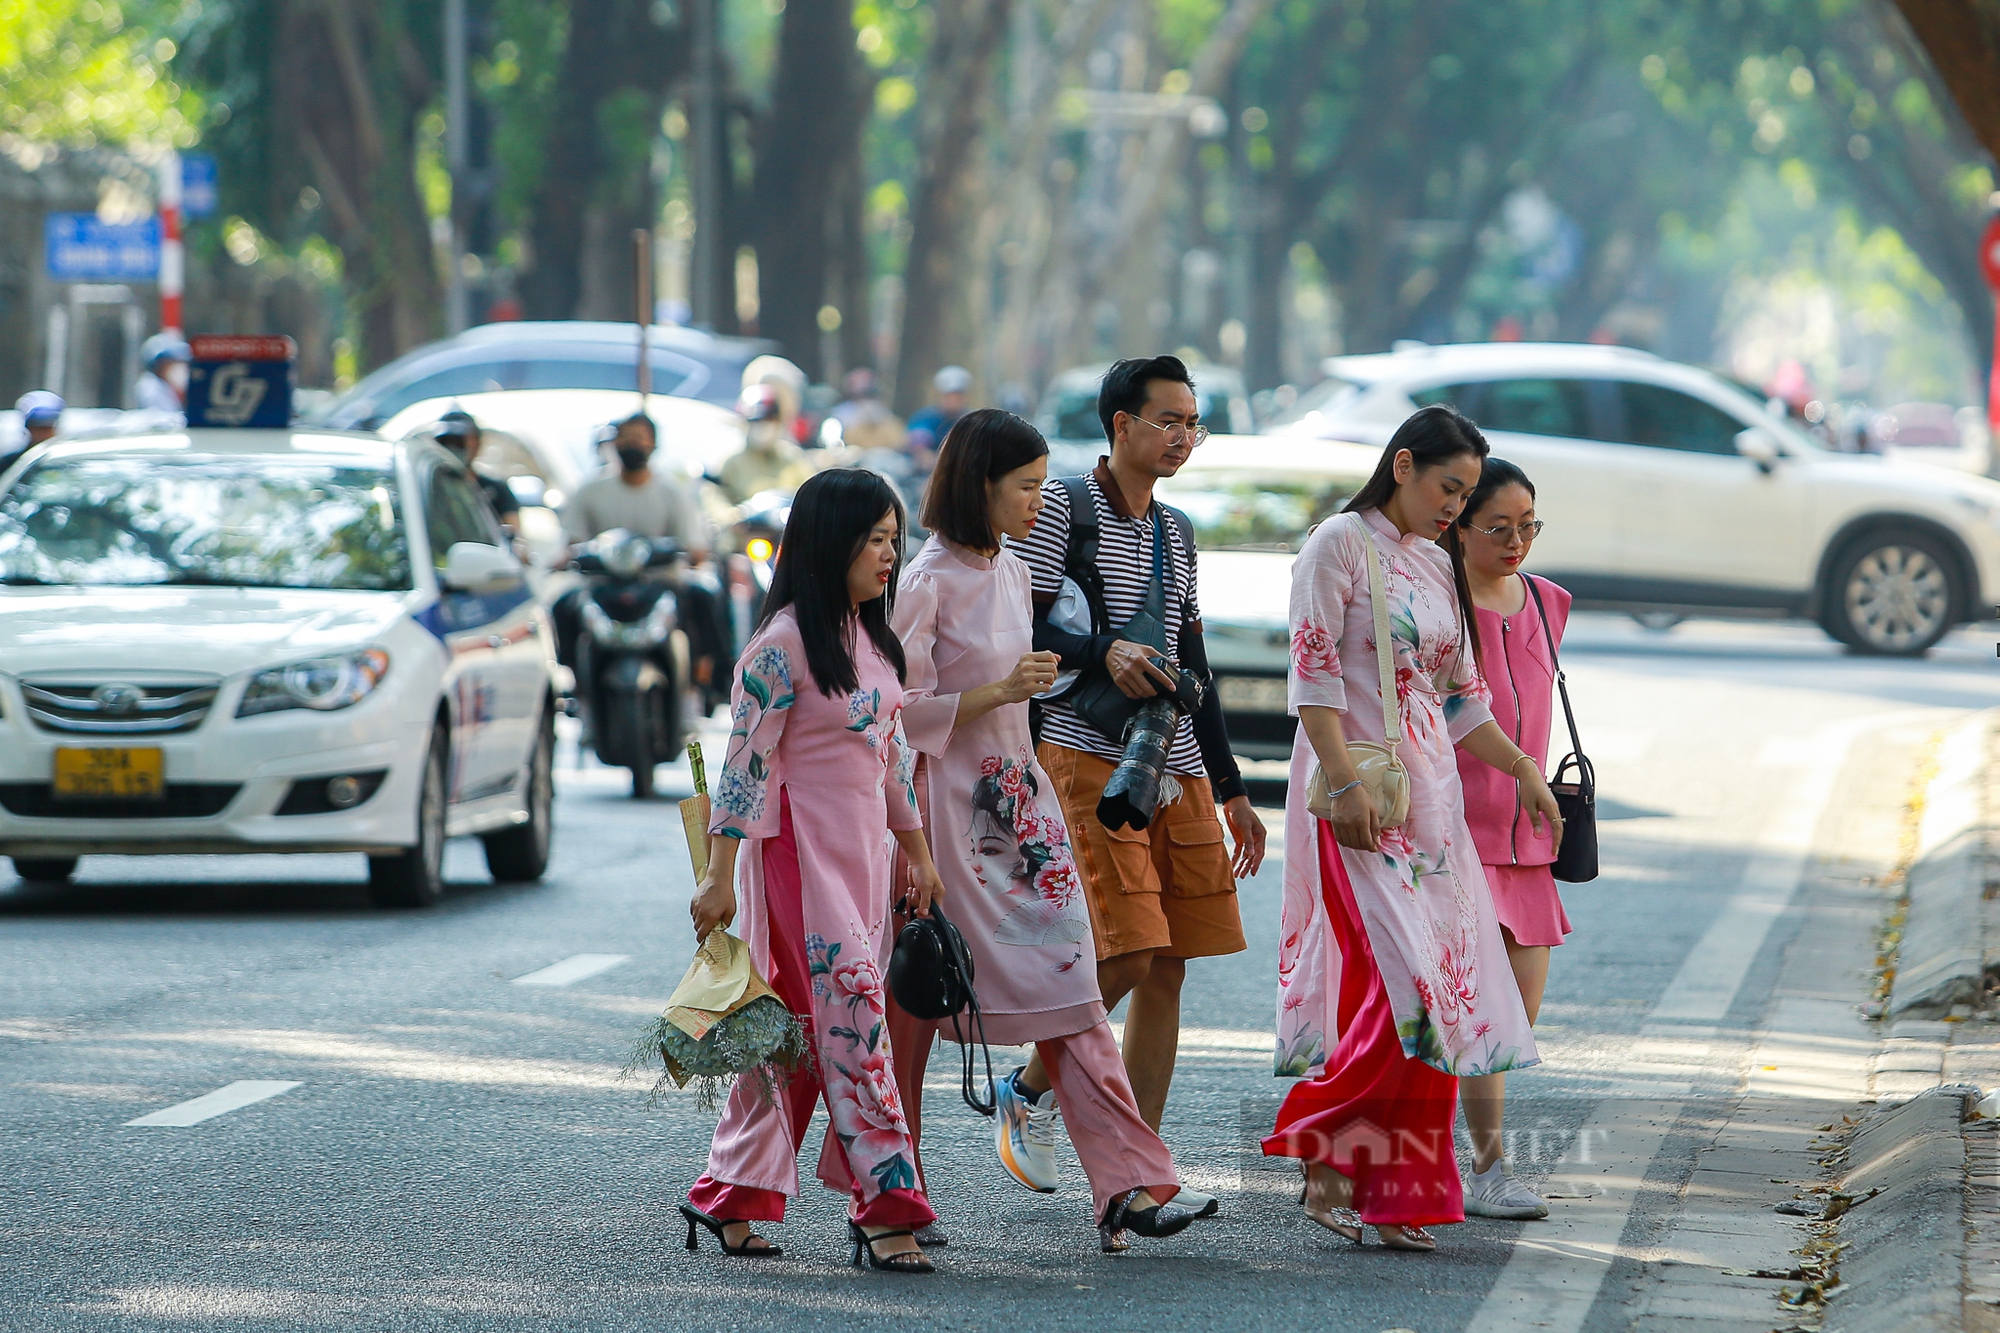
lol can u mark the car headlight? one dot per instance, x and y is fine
(320, 683)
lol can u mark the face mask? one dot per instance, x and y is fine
(763, 436)
(633, 457)
(177, 375)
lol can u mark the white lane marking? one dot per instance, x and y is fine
(573, 969)
(231, 1097)
(1552, 1278)
(1706, 984)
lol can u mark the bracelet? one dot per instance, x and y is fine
(1342, 791)
(1517, 763)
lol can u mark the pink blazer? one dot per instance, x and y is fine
(1515, 660)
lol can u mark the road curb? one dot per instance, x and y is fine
(1942, 958)
(1905, 1242)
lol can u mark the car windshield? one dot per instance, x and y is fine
(211, 521)
(1255, 511)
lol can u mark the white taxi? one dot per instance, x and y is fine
(267, 641)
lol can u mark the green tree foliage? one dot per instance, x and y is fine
(80, 73)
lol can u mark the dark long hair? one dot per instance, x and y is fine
(980, 447)
(1432, 435)
(832, 516)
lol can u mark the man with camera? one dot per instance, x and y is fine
(1141, 720)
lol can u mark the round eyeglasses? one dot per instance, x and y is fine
(1177, 433)
(1504, 534)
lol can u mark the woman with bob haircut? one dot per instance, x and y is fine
(1424, 994)
(1520, 619)
(967, 625)
(816, 703)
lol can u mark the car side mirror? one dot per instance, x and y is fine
(477, 567)
(1757, 445)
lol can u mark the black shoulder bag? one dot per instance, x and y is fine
(1576, 858)
(930, 974)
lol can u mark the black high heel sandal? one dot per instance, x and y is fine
(902, 1262)
(1162, 1219)
(696, 1217)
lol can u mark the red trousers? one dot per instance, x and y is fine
(792, 980)
(1378, 1117)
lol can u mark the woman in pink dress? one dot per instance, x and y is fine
(966, 620)
(1497, 530)
(815, 781)
(1408, 907)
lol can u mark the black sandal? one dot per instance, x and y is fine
(902, 1262)
(1159, 1220)
(696, 1217)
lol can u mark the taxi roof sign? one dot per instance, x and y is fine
(242, 347)
(240, 380)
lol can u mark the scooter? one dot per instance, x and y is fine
(632, 660)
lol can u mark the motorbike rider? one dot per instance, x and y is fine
(163, 385)
(865, 420)
(768, 460)
(458, 432)
(41, 417)
(651, 504)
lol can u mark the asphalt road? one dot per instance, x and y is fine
(459, 1151)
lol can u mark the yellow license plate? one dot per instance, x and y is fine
(107, 772)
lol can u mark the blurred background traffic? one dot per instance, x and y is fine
(1785, 191)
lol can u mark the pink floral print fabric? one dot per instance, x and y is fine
(1423, 896)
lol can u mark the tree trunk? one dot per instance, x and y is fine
(967, 36)
(1963, 38)
(586, 203)
(349, 92)
(806, 145)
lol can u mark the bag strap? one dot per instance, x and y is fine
(1080, 553)
(1378, 600)
(959, 959)
(1562, 683)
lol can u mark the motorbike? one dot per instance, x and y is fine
(632, 656)
(755, 536)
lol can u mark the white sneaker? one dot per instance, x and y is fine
(1024, 1135)
(1201, 1205)
(1498, 1194)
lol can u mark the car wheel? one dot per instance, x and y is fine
(520, 855)
(1892, 593)
(415, 877)
(1658, 621)
(45, 869)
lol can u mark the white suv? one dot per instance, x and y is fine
(1667, 489)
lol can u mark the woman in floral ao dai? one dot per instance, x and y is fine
(1390, 952)
(815, 782)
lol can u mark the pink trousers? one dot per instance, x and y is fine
(1118, 1149)
(757, 1140)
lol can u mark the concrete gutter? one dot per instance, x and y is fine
(1905, 1243)
(1942, 960)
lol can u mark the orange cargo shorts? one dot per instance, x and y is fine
(1166, 887)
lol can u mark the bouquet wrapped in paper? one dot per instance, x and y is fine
(723, 1021)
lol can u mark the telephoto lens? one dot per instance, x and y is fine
(1133, 792)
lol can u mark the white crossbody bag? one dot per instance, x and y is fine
(1378, 766)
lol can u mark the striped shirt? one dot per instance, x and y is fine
(1125, 558)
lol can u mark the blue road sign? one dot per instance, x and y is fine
(81, 247)
(197, 184)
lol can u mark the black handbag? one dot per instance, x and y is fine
(930, 976)
(1576, 858)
